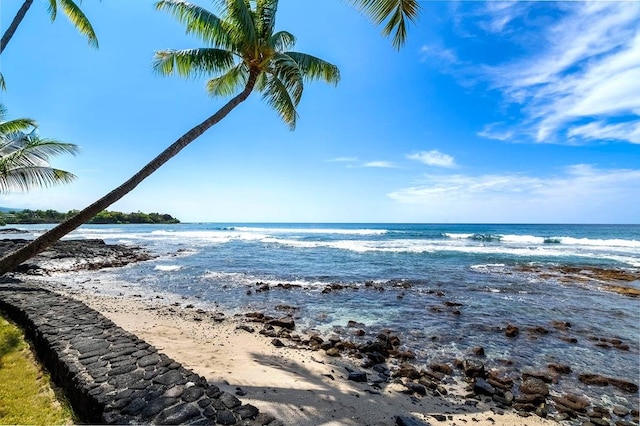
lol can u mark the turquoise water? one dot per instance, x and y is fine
(401, 277)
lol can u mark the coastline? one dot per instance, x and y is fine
(296, 385)
(302, 384)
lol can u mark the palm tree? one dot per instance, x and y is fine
(69, 8)
(24, 157)
(244, 54)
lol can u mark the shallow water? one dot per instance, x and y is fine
(403, 277)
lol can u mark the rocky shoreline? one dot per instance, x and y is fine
(75, 255)
(377, 358)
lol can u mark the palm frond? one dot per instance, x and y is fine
(230, 82)
(193, 62)
(285, 69)
(79, 20)
(282, 40)
(23, 179)
(241, 21)
(313, 68)
(198, 21)
(24, 162)
(52, 7)
(266, 17)
(17, 125)
(276, 95)
(3, 85)
(394, 12)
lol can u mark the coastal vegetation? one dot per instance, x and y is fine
(28, 216)
(25, 390)
(243, 53)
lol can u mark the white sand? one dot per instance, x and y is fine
(297, 386)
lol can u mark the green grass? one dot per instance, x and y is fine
(26, 395)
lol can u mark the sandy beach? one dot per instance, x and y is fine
(299, 386)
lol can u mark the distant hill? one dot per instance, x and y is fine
(10, 209)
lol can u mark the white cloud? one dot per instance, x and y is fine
(433, 158)
(600, 130)
(446, 56)
(344, 160)
(380, 164)
(496, 131)
(582, 69)
(581, 193)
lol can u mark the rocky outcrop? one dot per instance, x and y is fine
(74, 255)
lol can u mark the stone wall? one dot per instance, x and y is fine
(111, 376)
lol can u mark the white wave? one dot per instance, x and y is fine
(240, 278)
(522, 239)
(336, 231)
(167, 268)
(458, 236)
(599, 243)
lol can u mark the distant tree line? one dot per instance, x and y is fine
(27, 216)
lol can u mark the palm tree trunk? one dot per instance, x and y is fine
(10, 261)
(14, 24)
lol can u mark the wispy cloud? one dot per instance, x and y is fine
(577, 194)
(496, 131)
(579, 77)
(380, 164)
(433, 158)
(600, 130)
(344, 160)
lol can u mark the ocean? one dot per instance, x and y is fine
(444, 288)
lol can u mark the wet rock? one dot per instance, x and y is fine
(511, 330)
(570, 404)
(534, 386)
(407, 370)
(441, 368)
(277, 343)
(481, 387)
(559, 368)
(561, 325)
(284, 322)
(478, 351)
(416, 388)
(473, 368)
(598, 380)
(542, 375)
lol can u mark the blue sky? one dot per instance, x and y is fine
(492, 112)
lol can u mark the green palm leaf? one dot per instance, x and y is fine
(3, 86)
(77, 18)
(285, 69)
(282, 40)
(277, 96)
(193, 62)
(24, 162)
(396, 13)
(229, 83)
(241, 24)
(198, 21)
(266, 17)
(23, 179)
(313, 68)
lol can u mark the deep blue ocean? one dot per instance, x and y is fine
(408, 278)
